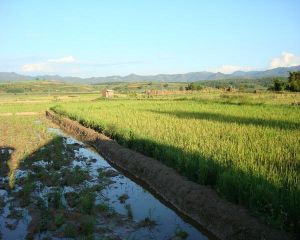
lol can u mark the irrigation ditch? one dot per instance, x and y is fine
(212, 215)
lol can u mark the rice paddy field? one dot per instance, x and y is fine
(53, 186)
(246, 147)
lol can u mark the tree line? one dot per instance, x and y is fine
(293, 83)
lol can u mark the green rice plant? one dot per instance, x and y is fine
(26, 192)
(249, 153)
(87, 202)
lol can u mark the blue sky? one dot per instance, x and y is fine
(119, 37)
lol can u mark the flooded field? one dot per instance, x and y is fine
(66, 190)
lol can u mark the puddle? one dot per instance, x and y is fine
(142, 203)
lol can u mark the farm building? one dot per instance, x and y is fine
(108, 93)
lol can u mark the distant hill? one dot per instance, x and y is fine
(186, 77)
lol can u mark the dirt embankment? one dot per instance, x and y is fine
(202, 204)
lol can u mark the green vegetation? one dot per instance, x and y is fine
(87, 225)
(181, 234)
(86, 202)
(38, 165)
(240, 144)
(193, 86)
(59, 220)
(244, 145)
(58, 88)
(75, 176)
(279, 85)
(293, 83)
(70, 230)
(46, 87)
(25, 193)
(242, 84)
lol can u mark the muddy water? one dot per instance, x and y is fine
(124, 194)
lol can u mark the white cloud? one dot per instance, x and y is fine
(231, 68)
(285, 60)
(36, 67)
(49, 66)
(67, 59)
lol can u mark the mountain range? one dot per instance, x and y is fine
(186, 77)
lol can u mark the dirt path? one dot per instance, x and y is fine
(19, 114)
(202, 204)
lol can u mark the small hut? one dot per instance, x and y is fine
(108, 93)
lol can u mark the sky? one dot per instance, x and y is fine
(119, 37)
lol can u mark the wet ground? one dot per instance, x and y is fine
(66, 190)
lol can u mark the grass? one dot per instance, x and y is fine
(24, 135)
(31, 87)
(246, 146)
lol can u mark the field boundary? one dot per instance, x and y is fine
(202, 204)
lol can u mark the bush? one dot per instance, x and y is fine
(193, 86)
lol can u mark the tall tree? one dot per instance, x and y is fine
(294, 81)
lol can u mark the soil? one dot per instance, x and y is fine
(200, 203)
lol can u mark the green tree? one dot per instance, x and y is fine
(15, 90)
(193, 86)
(278, 85)
(294, 81)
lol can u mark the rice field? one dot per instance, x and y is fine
(53, 186)
(248, 152)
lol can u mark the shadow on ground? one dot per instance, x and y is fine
(217, 117)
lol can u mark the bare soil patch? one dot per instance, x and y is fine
(5, 114)
(27, 113)
(19, 114)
